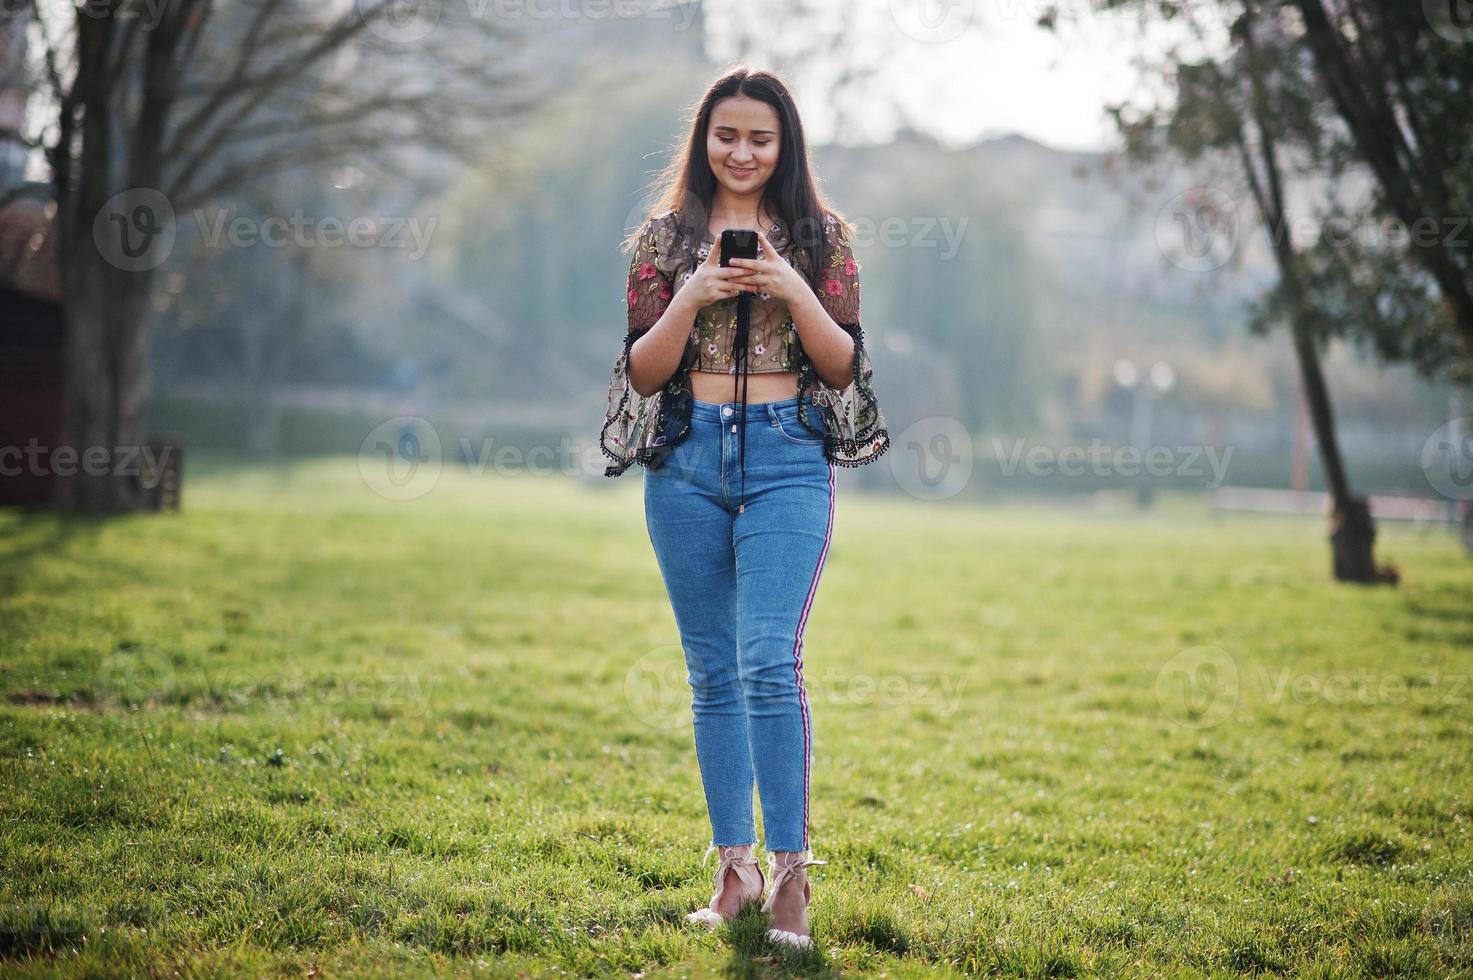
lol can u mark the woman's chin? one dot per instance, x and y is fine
(741, 185)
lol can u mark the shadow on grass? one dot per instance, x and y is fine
(754, 955)
(28, 534)
(1441, 615)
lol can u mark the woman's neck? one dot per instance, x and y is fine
(735, 209)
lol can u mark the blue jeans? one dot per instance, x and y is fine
(741, 585)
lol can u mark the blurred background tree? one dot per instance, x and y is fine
(1294, 94)
(154, 110)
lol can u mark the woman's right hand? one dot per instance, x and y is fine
(711, 282)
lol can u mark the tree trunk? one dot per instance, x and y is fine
(1352, 531)
(104, 148)
(103, 318)
(106, 364)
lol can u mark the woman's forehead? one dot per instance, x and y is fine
(744, 114)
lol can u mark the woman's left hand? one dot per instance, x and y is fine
(772, 274)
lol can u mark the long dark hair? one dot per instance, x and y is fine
(688, 186)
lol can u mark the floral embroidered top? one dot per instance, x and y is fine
(644, 430)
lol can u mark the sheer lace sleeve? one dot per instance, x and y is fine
(856, 432)
(839, 287)
(634, 424)
(650, 287)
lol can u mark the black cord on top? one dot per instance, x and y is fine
(739, 356)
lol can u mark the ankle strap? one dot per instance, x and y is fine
(733, 855)
(782, 872)
(807, 861)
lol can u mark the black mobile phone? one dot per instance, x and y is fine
(738, 243)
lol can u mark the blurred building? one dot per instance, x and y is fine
(30, 291)
(30, 349)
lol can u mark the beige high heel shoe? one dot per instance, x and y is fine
(738, 858)
(781, 872)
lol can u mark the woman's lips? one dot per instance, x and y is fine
(737, 172)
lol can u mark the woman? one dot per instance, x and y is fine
(740, 389)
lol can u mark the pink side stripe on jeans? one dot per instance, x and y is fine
(828, 536)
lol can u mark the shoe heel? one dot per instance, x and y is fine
(780, 874)
(751, 883)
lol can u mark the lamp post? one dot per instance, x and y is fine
(1158, 380)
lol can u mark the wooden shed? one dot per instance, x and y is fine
(31, 369)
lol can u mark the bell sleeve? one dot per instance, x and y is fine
(630, 422)
(856, 427)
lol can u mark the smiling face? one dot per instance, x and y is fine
(742, 143)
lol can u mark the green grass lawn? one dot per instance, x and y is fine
(301, 727)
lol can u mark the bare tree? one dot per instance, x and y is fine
(157, 107)
(1259, 103)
